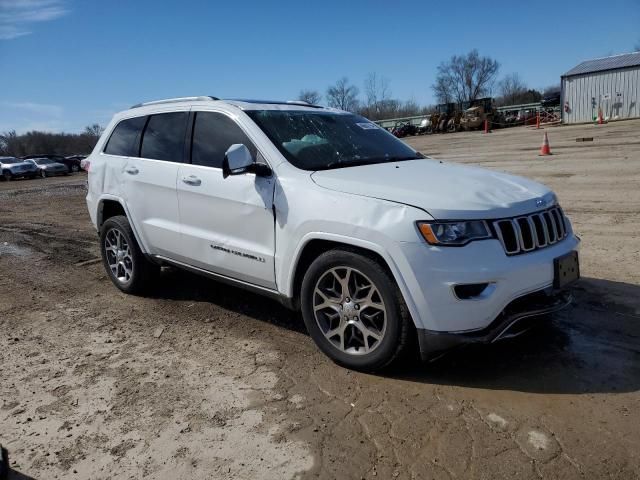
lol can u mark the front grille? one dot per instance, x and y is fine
(531, 232)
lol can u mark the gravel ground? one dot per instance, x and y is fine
(200, 380)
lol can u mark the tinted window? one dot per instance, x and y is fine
(213, 134)
(123, 139)
(163, 138)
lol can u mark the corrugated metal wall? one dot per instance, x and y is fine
(579, 90)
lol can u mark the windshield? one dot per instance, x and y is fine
(324, 140)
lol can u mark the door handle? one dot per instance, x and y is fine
(131, 170)
(192, 180)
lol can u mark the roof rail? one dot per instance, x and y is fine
(174, 100)
(303, 103)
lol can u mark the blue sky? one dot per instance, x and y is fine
(65, 64)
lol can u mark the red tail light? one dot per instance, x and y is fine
(85, 165)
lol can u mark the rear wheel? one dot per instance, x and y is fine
(75, 168)
(354, 310)
(123, 260)
(6, 175)
(43, 173)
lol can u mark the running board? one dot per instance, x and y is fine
(234, 282)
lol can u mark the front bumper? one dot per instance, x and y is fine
(518, 316)
(430, 275)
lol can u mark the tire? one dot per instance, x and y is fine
(43, 173)
(75, 168)
(7, 175)
(133, 273)
(350, 346)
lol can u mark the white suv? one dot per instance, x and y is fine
(330, 214)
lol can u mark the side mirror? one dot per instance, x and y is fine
(238, 161)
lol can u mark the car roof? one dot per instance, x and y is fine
(241, 103)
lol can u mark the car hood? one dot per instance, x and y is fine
(444, 190)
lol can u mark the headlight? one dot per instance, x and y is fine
(454, 233)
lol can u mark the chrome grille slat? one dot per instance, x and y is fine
(553, 233)
(516, 238)
(556, 216)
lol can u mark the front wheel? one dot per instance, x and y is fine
(123, 260)
(354, 311)
(6, 175)
(75, 168)
(43, 173)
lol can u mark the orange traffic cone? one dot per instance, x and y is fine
(600, 119)
(545, 149)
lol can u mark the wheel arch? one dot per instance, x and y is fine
(315, 245)
(110, 206)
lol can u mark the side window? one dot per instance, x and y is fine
(163, 138)
(123, 140)
(213, 134)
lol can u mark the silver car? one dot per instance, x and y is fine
(48, 168)
(12, 167)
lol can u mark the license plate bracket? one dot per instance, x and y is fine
(566, 270)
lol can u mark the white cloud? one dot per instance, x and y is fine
(16, 16)
(25, 116)
(37, 108)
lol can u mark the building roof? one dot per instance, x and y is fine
(606, 63)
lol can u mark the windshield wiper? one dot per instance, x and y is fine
(366, 161)
(349, 163)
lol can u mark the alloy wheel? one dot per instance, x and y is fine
(349, 310)
(119, 257)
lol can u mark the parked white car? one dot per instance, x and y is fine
(332, 215)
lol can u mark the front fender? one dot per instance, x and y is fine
(396, 267)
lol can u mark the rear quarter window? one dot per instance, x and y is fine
(125, 138)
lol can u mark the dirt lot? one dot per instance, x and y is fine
(201, 380)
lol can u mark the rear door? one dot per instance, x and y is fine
(227, 224)
(149, 181)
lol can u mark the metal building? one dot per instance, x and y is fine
(610, 83)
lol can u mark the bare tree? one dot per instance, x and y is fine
(310, 96)
(35, 142)
(343, 96)
(94, 130)
(378, 94)
(9, 143)
(465, 77)
(442, 90)
(511, 87)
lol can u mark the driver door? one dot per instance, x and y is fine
(226, 224)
